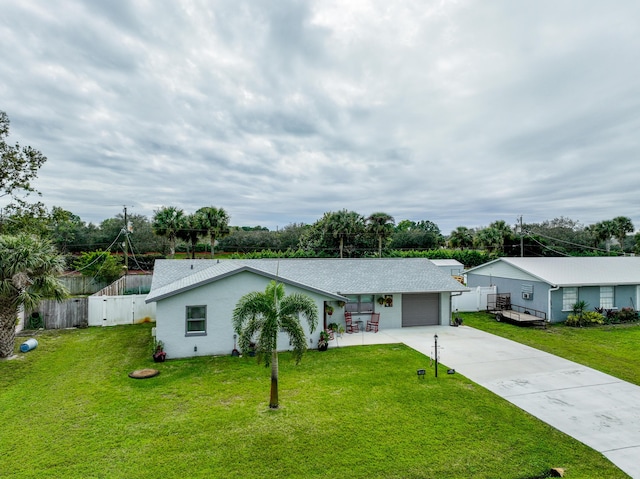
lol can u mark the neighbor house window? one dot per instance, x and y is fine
(569, 298)
(196, 320)
(359, 303)
(606, 297)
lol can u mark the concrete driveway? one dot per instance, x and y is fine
(599, 410)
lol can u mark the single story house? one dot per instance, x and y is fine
(554, 284)
(195, 299)
(452, 267)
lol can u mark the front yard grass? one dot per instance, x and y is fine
(612, 349)
(69, 410)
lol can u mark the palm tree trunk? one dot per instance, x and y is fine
(172, 246)
(8, 317)
(379, 246)
(273, 400)
(341, 244)
(213, 242)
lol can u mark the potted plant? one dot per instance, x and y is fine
(158, 354)
(328, 309)
(380, 300)
(323, 342)
(252, 349)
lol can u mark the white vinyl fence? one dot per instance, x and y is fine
(113, 310)
(474, 300)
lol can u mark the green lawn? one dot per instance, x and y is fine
(611, 349)
(69, 410)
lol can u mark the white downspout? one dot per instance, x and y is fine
(552, 289)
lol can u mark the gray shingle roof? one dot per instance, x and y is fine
(330, 276)
(579, 271)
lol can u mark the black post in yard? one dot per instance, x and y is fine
(435, 337)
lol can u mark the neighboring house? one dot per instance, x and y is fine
(452, 267)
(554, 285)
(195, 299)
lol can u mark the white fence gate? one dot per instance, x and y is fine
(474, 300)
(113, 310)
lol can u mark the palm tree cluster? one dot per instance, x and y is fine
(173, 224)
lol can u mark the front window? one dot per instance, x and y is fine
(569, 298)
(360, 303)
(606, 297)
(196, 320)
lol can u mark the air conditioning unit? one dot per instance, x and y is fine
(527, 295)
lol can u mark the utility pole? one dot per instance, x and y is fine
(521, 238)
(126, 242)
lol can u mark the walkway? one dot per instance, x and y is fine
(599, 410)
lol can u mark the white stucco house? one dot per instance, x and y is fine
(554, 284)
(195, 299)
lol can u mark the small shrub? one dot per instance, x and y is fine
(627, 315)
(586, 318)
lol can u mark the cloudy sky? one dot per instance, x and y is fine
(459, 112)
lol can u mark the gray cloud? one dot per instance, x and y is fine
(456, 112)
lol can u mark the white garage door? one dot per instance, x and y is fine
(420, 309)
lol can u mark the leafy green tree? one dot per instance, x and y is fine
(168, 222)
(621, 226)
(380, 225)
(259, 317)
(559, 235)
(405, 225)
(29, 267)
(214, 222)
(421, 235)
(99, 265)
(142, 238)
(241, 240)
(18, 167)
(65, 228)
(289, 236)
(20, 217)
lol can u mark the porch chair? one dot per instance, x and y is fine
(373, 322)
(350, 326)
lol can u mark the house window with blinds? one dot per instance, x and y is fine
(569, 298)
(606, 297)
(196, 324)
(359, 303)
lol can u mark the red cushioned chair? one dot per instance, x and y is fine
(373, 322)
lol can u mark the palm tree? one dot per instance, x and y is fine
(191, 232)
(490, 239)
(380, 225)
(461, 237)
(214, 222)
(621, 226)
(29, 267)
(344, 224)
(264, 315)
(604, 230)
(168, 222)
